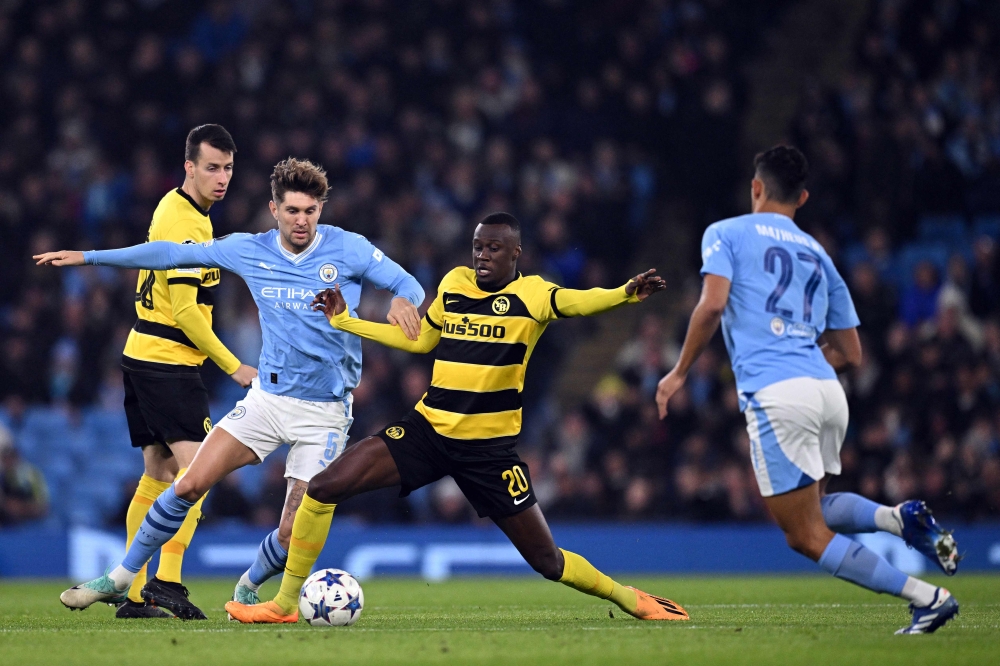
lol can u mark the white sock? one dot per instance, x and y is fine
(245, 581)
(888, 519)
(121, 577)
(918, 592)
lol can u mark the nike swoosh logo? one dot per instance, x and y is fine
(450, 302)
(518, 501)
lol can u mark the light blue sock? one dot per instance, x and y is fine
(847, 513)
(851, 561)
(164, 518)
(270, 562)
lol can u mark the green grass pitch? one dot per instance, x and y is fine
(519, 622)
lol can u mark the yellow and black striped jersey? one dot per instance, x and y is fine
(156, 337)
(483, 340)
(486, 341)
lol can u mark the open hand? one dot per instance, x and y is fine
(668, 386)
(330, 302)
(404, 314)
(645, 284)
(60, 258)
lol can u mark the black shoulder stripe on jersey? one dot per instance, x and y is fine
(431, 321)
(191, 201)
(191, 281)
(471, 402)
(460, 304)
(481, 353)
(206, 295)
(163, 331)
(552, 302)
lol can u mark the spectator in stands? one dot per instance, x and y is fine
(23, 494)
(918, 302)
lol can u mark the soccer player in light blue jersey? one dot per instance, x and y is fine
(789, 326)
(307, 369)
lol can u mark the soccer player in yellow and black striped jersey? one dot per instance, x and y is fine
(166, 403)
(484, 324)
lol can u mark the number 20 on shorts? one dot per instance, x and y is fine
(515, 475)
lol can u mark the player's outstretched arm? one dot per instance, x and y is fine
(584, 302)
(60, 258)
(331, 303)
(155, 255)
(704, 322)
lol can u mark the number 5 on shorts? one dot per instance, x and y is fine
(515, 475)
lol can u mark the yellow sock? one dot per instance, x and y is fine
(145, 494)
(581, 575)
(309, 531)
(172, 552)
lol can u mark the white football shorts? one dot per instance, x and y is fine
(796, 429)
(315, 431)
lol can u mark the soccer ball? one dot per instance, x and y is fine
(331, 598)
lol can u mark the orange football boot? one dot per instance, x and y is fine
(651, 607)
(264, 613)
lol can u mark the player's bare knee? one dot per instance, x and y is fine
(810, 543)
(327, 488)
(188, 488)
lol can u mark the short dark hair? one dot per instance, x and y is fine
(502, 218)
(783, 170)
(293, 175)
(214, 135)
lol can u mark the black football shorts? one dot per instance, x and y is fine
(164, 407)
(494, 480)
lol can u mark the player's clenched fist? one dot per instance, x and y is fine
(60, 258)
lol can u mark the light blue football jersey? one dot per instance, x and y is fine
(785, 292)
(303, 356)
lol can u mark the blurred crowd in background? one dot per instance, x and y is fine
(587, 120)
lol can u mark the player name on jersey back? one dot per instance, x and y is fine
(784, 292)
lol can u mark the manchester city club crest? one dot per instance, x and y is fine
(328, 273)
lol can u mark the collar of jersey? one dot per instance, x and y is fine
(187, 197)
(498, 289)
(296, 258)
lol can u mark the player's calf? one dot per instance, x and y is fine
(548, 562)
(809, 540)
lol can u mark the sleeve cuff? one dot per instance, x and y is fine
(634, 298)
(337, 320)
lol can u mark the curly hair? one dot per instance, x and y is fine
(294, 175)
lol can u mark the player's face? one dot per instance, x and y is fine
(495, 249)
(211, 172)
(297, 218)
